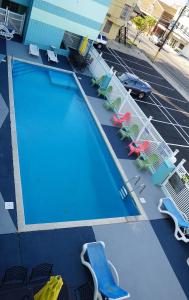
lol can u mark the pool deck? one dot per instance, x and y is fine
(151, 263)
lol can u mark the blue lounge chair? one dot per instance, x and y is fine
(94, 258)
(168, 206)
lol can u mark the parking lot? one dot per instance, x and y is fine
(169, 109)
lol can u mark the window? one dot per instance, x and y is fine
(107, 26)
(181, 46)
(173, 43)
(125, 12)
(185, 30)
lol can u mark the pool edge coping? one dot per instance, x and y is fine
(22, 227)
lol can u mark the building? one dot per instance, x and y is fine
(179, 38)
(49, 22)
(149, 8)
(165, 19)
(117, 16)
(162, 12)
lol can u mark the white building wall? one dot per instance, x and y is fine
(185, 51)
(182, 27)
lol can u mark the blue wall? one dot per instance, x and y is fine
(43, 35)
(50, 18)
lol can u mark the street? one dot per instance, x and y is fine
(175, 66)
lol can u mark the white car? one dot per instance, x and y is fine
(101, 41)
(154, 39)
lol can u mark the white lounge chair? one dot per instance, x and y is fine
(7, 33)
(168, 206)
(94, 258)
(52, 56)
(33, 50)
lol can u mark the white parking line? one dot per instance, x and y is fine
(169, 108)
(129, 69)
(112, 62)
(178, 145)
(169, 123)
(168, 88)
(153, 98)
(155, 101)
(149, 67)
(179, 100)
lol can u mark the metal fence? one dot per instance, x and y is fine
(71, 40)
(148, 132)
(98, 67)
(12, 20)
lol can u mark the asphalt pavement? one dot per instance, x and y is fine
(169, 109)
(173, 65)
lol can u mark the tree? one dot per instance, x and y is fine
(143, 24)
(151, 22)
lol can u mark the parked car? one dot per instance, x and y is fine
(158, 41)
(138, 87)
(101, 41)
(154, 39)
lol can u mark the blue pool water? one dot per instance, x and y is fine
(67, 172)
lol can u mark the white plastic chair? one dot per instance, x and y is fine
(33, 50)
(52, 56)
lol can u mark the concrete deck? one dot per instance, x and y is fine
(150, 262)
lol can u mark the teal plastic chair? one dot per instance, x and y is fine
(127, 132)
(105, 93)
(113, 105)
(97, 81)
(148, 162)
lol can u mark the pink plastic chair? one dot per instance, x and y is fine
(119, 120)
(137, 147)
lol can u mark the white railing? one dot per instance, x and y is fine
(12, 20)
(99, 67)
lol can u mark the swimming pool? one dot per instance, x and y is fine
(66, 170)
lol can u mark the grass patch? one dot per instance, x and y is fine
(129, 42)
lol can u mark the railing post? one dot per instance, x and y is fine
(22, 23)
(6, 16)
(143, 128)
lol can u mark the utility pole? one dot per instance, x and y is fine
(171, 30)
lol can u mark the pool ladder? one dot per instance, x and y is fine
(123, 191)
(141, 187)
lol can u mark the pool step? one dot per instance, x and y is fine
(22, 68)
(123, 192)
(63, 79)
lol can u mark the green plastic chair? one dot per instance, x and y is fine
(97, 81)
(148, 162)
(105, 93)
(112, 105)
(127, 132)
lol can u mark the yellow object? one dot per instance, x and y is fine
(83, 46)
(51, 289)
